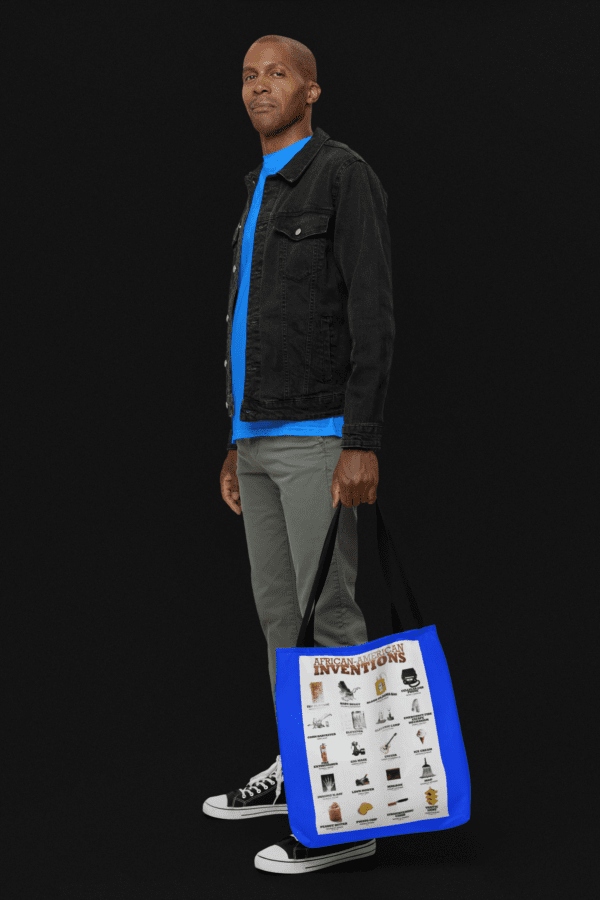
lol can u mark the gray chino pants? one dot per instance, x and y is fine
(285, 492)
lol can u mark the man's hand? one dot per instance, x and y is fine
(355, 478)
(230, 489)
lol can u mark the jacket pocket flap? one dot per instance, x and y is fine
(301, 226)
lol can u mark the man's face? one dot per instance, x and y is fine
(269, 77)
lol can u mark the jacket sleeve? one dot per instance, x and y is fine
(362, 252)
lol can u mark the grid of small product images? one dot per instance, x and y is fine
(372, 745)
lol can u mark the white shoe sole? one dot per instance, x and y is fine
(212, 807)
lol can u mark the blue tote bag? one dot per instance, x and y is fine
(369, 735)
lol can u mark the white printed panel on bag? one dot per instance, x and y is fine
(371, 739)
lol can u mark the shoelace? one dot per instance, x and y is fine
(264, 779)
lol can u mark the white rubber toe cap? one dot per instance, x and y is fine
(274, 852)
(220, 801)
(217, 807)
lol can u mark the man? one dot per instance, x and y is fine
(309, 351)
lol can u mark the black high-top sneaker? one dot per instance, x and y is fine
(290, 857)
(264, 795)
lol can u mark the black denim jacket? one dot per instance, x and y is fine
(320, 327)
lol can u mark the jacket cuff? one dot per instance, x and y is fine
(358, 447)
(363, 436)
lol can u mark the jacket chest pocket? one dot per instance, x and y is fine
(301, 242)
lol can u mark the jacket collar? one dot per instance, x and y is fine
(298, 163)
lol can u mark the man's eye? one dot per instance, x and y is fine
(252, 76)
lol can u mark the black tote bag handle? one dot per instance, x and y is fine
(306, 638)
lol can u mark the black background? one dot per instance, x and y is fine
(136, 679)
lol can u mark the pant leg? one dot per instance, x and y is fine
(285, 540)
(305, 484)
(271, 569)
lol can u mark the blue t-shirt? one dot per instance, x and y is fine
(272, 163)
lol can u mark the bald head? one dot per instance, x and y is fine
(300, 57)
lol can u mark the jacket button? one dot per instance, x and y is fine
(234, 268)
(225, 363)
(227, 317)
(298, 230)
(227, 404)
